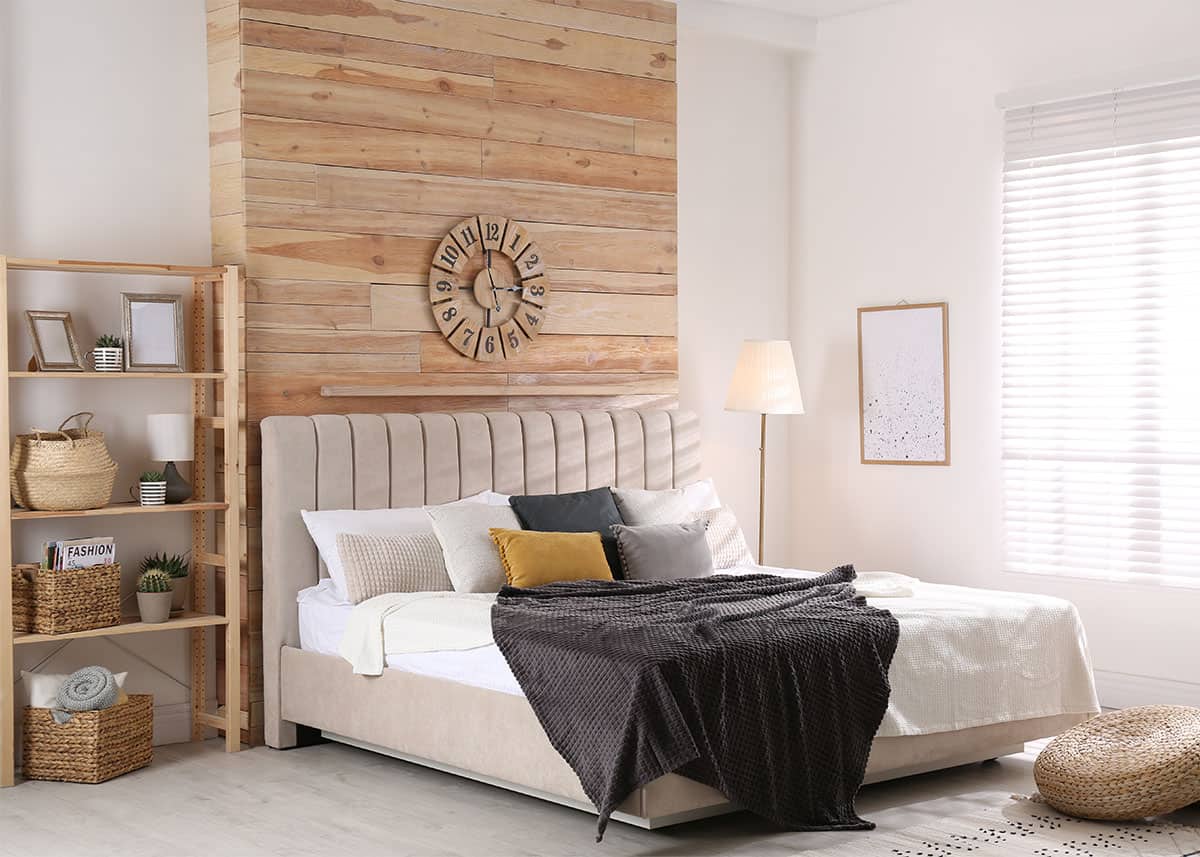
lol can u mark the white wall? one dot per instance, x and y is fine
(105, 156)
(898, 192)
(735, 107)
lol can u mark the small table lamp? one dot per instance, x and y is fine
(172, 438)
(764, 382)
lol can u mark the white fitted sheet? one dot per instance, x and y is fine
(966, 657)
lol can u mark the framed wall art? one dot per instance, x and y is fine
(153, 328)
(54, 346)
(904, 384)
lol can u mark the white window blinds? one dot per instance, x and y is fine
(1101, 335)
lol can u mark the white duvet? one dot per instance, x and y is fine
(966, 657)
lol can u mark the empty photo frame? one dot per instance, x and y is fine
(153, 327)
(54, 345)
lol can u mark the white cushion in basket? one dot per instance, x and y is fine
(41, 689)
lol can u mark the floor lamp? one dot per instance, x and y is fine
(764, 382)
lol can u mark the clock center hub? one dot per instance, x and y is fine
(492, 287)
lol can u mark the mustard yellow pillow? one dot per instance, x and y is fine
(532, 558)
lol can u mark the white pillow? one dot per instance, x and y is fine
(726, 541)
(472, 559)
(701, 496)
(41, 689)
(639, 507)
(325, 525)
(494, 498)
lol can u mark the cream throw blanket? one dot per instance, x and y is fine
(406, 622)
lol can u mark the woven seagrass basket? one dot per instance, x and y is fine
(91, 747)
(62, 470)
(1124, 765)
(61, 602)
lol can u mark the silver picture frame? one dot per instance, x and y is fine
(153, 329)
(55, 348)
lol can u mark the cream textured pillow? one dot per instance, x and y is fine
(640, 508)
(472, 560)
(725, 538)
(375, 565)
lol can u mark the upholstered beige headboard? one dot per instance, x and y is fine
(371, 461)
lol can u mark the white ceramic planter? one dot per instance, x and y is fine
(154, 607)
(109, 359)
(179, 593)
(152, 493)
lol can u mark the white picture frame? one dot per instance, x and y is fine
(904, 384)
(153, 329)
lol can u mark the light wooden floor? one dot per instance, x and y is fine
(336, 800)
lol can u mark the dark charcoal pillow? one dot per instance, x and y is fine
(664, 551)
(592, 511)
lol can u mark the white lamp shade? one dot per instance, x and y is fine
(764, 380)
(171, 437)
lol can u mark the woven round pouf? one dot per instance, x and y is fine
(1135, 763)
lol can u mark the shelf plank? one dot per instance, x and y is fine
(123, 509)
(81, 266)
(129, 625)
(125, 376)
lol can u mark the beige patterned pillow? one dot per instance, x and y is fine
(376, 565)
(725, 538)
(640, 508)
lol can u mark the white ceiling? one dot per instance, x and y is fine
(812, 8)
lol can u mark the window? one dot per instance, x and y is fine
(1100, 335)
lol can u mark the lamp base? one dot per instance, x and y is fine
(178, 488)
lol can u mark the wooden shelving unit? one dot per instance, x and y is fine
(205, 280)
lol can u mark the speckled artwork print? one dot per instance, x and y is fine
(903, 385)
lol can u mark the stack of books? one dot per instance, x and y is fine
(64, 555)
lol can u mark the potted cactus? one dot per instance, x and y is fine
(109, 354)
(176, 567)
(152, 488)
(154, 596)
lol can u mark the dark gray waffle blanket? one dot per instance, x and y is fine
(769, 689)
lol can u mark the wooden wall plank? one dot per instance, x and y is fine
(376, 107)
(359, 146)
(288, 340)
(577, 18)
(222, 25)
(548, 85)
(422, 194)
(444, 28)
(302, 254)
(366, 72)
(278, 169)
(614, 250)
(356, 220)
(318, 41)
(280, 190)
(611, 281)
(225, 137)
(264, 291)
(651, 10)
(584, 353)
(225, 189)
(396, 307)
(656, 139)
(306, 316)
(522, 162)
(224, 85)
(324, 363)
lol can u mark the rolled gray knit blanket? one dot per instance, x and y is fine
(88, 689)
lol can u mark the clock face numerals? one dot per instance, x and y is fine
(488, 288)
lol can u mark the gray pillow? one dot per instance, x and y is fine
(639, 507)
(663, 551)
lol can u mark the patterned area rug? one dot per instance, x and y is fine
(1023, 827)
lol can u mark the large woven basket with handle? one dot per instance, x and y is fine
(62, 470)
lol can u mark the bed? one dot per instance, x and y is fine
(441, 709)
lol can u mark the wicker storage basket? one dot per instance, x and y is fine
(60, 602)
(91, 747)
(62, 470)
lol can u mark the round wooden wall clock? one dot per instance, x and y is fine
(488, 288)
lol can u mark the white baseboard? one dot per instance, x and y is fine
(1122, 690)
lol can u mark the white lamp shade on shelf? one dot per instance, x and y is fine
(764, 380)
(171, 437)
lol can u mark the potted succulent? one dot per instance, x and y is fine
(152, 488)
(154, 596)
(109, 354)
(176, 567)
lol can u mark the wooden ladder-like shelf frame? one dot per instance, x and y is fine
(200, 619)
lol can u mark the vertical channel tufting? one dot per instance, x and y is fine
(474, 453)
(569, 458)
(368, 435)
(685, 434)
(539, 452)
(599, 448)
(335, 462)
(631, 449)
(407, 462)
(508, 452)
(441, 458)
(659, 460)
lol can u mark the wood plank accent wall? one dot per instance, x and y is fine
(346, 140)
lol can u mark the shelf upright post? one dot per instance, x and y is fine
(201, 575)
(8, 735)
(233, 517)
